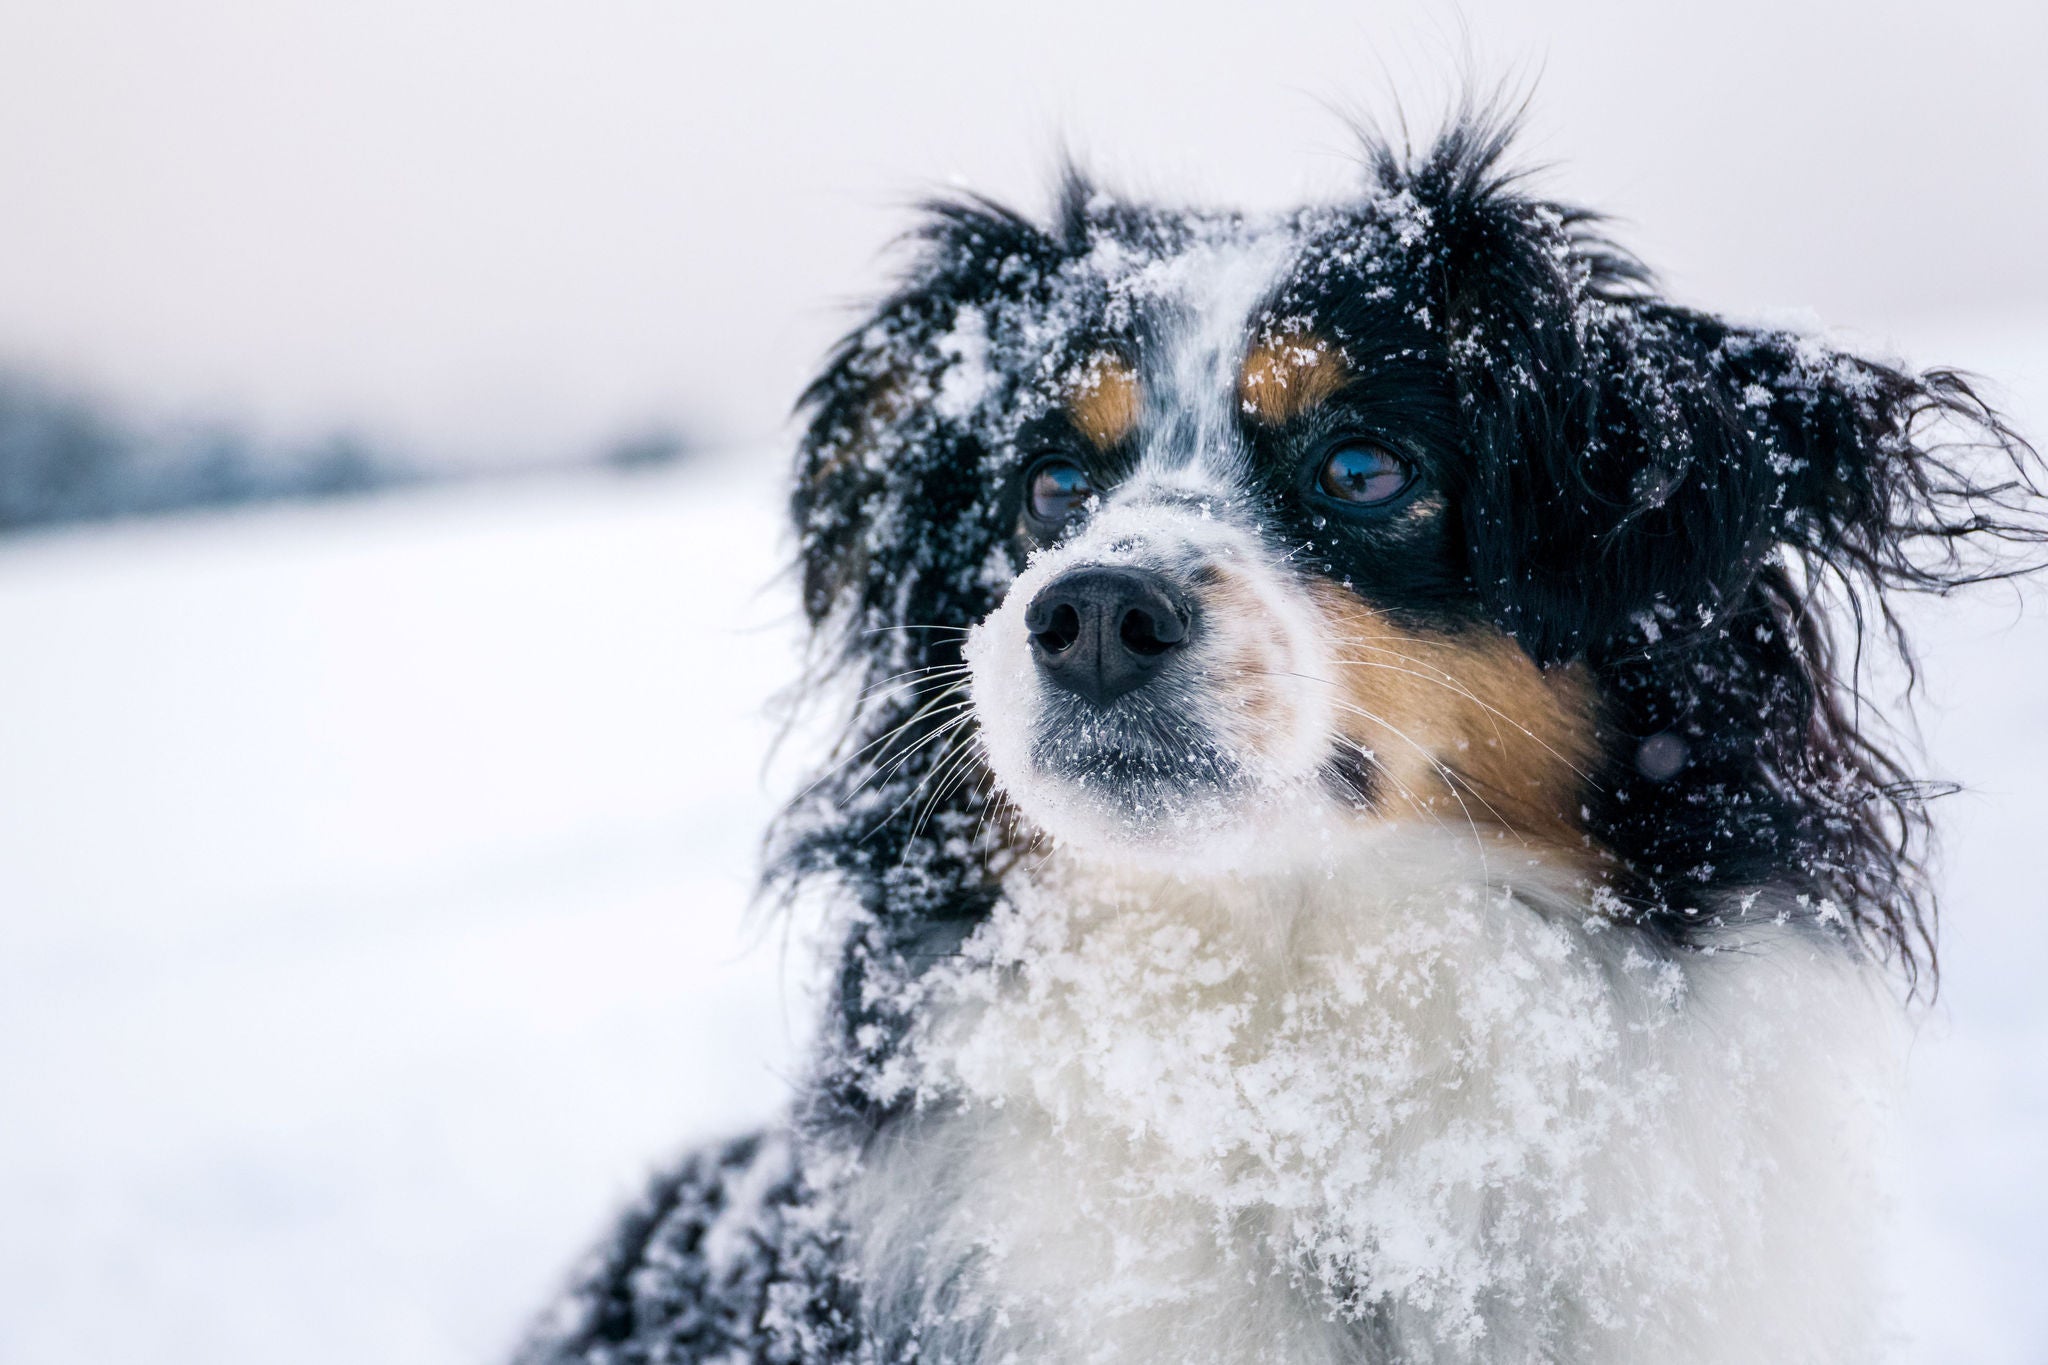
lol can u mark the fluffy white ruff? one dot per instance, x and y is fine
(1418, 1103)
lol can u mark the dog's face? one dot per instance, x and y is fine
(1188, 536)
(1246, 605)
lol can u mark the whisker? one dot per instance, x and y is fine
(959, 715)
(1415, 798)
(1452, 782)
(1455, 782)
(1450, 683)
(882, 739)
(885, 630)
(961, 758)
(1495, 715)
(926, 673)
(922, 782)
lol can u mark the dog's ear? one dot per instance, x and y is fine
(1633, 466)
(885, 462)
(897, 536)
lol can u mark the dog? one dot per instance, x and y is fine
(1355, 841)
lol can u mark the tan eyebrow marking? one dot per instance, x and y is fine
(1102, 398)
(1285, 377)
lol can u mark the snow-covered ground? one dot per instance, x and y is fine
(371, 914)
(372, 881)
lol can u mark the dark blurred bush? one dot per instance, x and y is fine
(654, 448)
(69, 456)
(66, 456)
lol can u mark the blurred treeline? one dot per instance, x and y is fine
(67, 455)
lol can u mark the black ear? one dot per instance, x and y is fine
(1634, 466)
(899, 545)
(888, 459)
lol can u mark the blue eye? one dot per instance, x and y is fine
(1363, 474)
(1056, 488)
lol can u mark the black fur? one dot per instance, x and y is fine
(1678, 501)
(725, 1257)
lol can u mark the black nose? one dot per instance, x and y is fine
(1101, 632)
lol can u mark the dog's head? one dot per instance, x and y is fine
(1245, 603)
(1186, 536)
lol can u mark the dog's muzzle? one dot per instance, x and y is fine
(1102, 631)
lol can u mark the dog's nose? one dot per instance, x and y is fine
(1100, 632)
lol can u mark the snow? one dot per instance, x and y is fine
(373, 914)
(1184, 1102)
(373, 909)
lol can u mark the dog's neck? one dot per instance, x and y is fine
(1422, 1099)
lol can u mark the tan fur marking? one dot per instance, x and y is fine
(1103, 400)
(1284, 378)
(1463, 725)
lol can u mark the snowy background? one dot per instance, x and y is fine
(372, 873)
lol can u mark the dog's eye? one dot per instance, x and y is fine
(1057, 486)
(1363, 474)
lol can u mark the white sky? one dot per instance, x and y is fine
(518, 227)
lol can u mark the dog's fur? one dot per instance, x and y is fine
(1478, 943)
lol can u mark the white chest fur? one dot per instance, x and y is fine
(1405, 1108)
